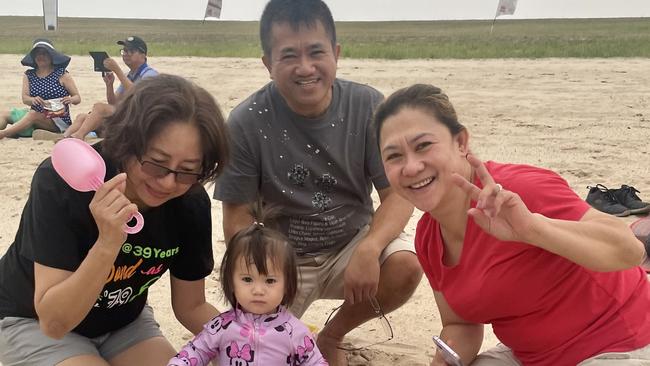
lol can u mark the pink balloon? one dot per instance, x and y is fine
(83, 169)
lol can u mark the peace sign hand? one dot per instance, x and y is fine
(499, 212)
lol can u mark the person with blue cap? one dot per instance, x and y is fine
(134, 55)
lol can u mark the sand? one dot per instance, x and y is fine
(589, 120)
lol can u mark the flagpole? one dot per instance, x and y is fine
(206, 6)
(492, 27)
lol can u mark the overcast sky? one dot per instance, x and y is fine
(341, 9)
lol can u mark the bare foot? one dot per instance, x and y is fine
(328, 347)
(45, 135)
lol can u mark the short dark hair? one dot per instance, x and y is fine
(422, 96)
(296, 13)
(257, 243)
(155, 102)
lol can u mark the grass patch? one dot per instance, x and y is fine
(585, 38)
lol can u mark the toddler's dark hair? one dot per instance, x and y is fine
(255, 244)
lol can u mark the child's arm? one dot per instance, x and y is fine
(306, 351)
(203, 348)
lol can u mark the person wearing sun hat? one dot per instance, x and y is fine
(134, 54)
(48, 89)
(58, 58)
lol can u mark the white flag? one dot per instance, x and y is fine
(506, 7)
(50, 14)
(213, 9)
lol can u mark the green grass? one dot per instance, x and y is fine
(392, 40)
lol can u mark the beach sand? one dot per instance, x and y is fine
(589, 120)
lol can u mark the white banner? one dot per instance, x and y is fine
(506, 7)
(50, 14)
(213, 9)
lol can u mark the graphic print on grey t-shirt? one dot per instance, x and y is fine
(326, 184)
(327, 226)
(320, 171)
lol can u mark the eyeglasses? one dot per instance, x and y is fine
(159, 171)
(127, 51)
(375, 331)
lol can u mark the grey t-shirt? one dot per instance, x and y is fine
(319, 171)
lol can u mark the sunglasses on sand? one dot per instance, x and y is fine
(375, 331)
(159, 171)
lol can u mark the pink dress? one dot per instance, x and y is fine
(244, 339)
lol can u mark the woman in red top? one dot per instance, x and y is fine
(512, 246)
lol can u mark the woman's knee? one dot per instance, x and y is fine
(103, 109)
(404, 269)
(33, 115)
(84, 360)
(80, 117)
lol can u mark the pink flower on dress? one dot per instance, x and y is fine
(189, 361)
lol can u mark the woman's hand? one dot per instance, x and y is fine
(111, 210)
(71, 99)
(498, 211)
(438, 359)
(38, 101)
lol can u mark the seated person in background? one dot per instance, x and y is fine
(48, 88)
(14, 115)
(134, 55)
(5, 119)
(513, 246)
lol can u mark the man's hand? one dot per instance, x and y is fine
(361, 277)
(109, 78)
(111, 64)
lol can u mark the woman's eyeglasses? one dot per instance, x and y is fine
(373, 332)
(160, 171)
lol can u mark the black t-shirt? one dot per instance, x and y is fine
(57, 230)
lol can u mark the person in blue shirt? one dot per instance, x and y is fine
(134, 55)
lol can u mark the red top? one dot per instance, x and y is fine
(547, 309)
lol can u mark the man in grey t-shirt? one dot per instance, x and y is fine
(304, 142)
